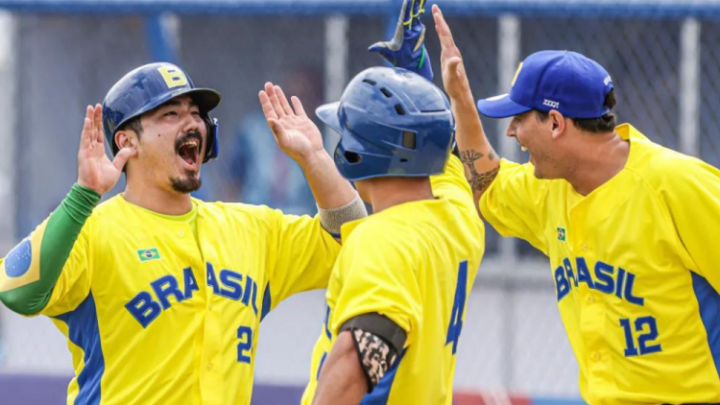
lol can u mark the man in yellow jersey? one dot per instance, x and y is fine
(630, 227)
(161, 295)
(396, 297)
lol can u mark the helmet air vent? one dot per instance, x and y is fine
(352, 157)
(408, 140)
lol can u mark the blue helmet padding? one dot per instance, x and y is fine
(213, 148)
(144, 89)
(379, 109)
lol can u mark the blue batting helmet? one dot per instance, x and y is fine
(148, 87)
(392, 123)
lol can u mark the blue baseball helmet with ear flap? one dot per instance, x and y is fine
(392, 123)
(150, 86)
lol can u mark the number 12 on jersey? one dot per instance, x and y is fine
(456, 323)
(648, 326)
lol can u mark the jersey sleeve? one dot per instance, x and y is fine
(48, 272)
(303, 256)
(692, 194)
(378, 276)
(514, 204)
(452, 185)
(73, 285)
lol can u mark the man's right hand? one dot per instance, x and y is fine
(293, 130)
(95, 170)
(453, 69)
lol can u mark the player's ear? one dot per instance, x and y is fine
(558, 123)
(126, 139)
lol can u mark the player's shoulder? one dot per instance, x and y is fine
(399, 228)
(367, 227)
(661, 167)
(452, 185)
(117, 209)
(109, 210)
(226, 211)
(516, 183)
(233, 207)
(513, 175)
(109, 216)
(378, 242)
(379, 227)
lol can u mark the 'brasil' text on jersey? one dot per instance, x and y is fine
(229, 284)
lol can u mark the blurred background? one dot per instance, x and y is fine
(57, 56)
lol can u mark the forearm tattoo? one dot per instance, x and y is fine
(376, 356)
(479, 182)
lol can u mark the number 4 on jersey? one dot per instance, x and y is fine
(456, 323)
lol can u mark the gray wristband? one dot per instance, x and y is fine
(332, 219)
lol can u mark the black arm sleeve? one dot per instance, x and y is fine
(378, 341)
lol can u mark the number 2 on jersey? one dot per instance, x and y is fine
(244, 348)
(456, 323)
(643, 339)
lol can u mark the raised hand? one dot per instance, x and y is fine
(293, 130)
(453, 68)
(406, 49)
(95, 170)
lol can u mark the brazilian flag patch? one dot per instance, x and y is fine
(561, 234)
(146, 255)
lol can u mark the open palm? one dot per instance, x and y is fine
(95, 170)
(453, 70)
(293, 130)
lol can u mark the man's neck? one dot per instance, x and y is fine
(157, 200)
(603, 158)
(388, 192)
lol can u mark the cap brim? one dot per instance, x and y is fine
(328, 114)
(500, 107)
(206, 99)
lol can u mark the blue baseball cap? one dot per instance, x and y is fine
(568, 82)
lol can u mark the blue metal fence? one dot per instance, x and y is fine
(68, 53)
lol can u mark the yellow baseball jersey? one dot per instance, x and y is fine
(635, 265)
(155, 316)
(415, 263)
